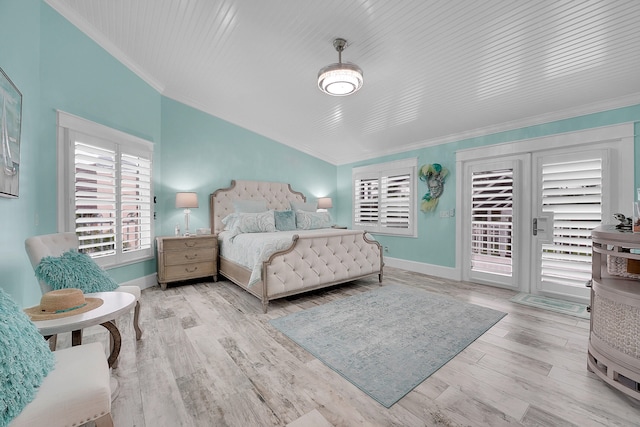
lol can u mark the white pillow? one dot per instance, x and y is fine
(312, 220)
(249, 206)
(307, 207)
(229, 221)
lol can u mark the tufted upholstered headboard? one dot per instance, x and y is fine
(277, 194)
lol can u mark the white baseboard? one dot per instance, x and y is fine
(143, 282)
(420, 267)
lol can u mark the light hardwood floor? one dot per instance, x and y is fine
(209, 357)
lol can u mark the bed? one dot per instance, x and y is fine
(290, 262)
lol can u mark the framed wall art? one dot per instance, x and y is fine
(10, 125)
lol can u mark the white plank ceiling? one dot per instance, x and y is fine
(434, 71)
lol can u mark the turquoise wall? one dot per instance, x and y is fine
(436, 241)
(202, 153)
(57, 67)
(20, 60)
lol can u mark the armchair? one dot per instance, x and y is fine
(76, 391)
(55, 245)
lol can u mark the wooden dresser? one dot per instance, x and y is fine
(185, 258)
(614, 336)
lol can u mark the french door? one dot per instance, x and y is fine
(571, 198)
(527, 217)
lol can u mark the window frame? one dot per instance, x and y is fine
(68, 126)
(381, 171)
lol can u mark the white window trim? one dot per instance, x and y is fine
(379, 170)
(66, 193)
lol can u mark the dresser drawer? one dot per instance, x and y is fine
(188, 243)
(189, 271)
(189, 256)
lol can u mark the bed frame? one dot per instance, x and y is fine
(311, 262)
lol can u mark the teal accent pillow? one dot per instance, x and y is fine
(74, 270)
(285, 220)
(25, 359)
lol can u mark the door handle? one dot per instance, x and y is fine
(535, 226)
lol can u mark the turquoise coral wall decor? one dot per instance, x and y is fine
(433, 175)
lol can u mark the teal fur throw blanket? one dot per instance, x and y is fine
(74, 270)
(25, 359)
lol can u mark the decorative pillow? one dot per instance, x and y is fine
(229, 221)
(261, 222)
(307, 207)
(74, 270)
(312, 220)
(285, 220)
(249, 206)
(25, 359)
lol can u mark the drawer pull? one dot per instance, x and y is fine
(190, 244)
(187, 256)
(191, 270)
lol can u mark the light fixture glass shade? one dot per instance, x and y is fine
(340, 79)
(186, 200)
(325, 203)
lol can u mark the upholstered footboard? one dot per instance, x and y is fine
(314, 262)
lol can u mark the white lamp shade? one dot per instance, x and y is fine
(325, 203)
(186, 200)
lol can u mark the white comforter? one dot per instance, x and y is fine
(251, 249)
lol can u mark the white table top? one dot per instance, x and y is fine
(115, 303)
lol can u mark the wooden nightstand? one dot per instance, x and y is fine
(184, 258)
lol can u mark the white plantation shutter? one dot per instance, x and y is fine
(135, 205)
(492, 222)
(395, 201)
(367, 192)
(106, 190)
(384, 198)
(95, 199)
(572, 196)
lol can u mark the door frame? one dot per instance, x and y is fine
(623, 133)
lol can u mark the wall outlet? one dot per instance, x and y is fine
(452, 212)
(386, 249)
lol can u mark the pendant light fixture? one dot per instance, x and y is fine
(341, 78)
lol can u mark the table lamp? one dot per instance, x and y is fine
(324, 203)
(187, 201)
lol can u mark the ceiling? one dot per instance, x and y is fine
(434, 71)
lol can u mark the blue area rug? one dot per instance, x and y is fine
(389, 340)
(559, 306)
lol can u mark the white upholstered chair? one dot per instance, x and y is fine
(55, 245)
(75, 392)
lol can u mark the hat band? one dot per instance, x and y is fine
(65, 310)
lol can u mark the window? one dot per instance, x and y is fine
(105, 190)
(383, 198)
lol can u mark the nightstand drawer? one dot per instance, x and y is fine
(186, 257)
(181, 244)
(189, 256)
(189, 271)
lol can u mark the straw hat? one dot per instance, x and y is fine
(62, 303)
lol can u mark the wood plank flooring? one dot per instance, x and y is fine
(209, 357)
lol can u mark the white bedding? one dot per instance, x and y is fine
(251, 249)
